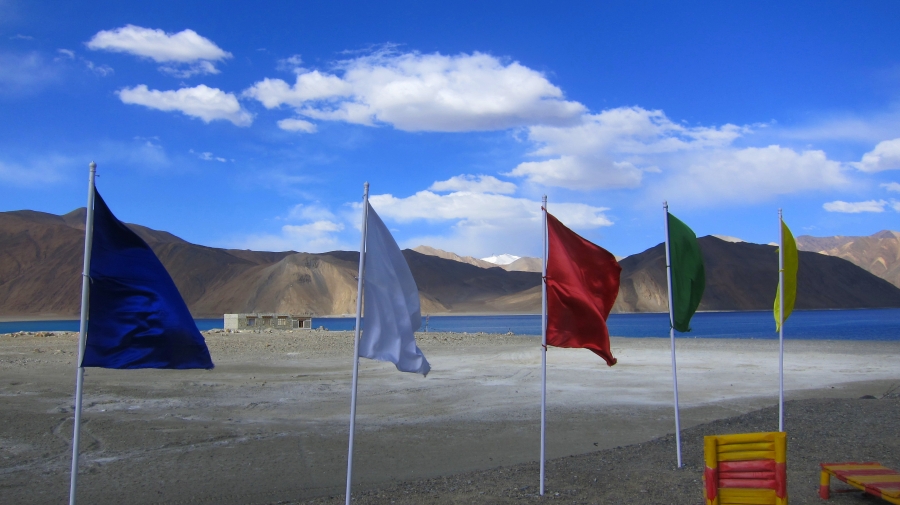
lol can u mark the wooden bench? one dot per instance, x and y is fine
(869, 477)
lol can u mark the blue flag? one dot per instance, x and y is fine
(137, 318)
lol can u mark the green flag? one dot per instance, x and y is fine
(688, 274)
(790, 276)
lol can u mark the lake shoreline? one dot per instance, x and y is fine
(859, 325)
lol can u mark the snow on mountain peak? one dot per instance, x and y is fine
(501, 259)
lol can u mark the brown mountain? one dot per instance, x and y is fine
(41, 260)
(468, 288)
(525, 264)
(878, 253)
(447, 255)
(745, 276)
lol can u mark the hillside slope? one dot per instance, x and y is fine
(878, 253)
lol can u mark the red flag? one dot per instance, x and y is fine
(582, 285)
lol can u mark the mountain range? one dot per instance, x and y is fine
(41, 261)
(520, 264)
(878, 253)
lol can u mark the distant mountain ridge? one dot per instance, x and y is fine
(521, 264)
(745, 275)
(878, 253)
(469, 260)
(41, 260)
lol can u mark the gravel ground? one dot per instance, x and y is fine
(818, 431)
(269, 424)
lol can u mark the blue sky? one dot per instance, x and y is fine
(254, 126)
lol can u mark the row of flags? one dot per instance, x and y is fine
(133, 316)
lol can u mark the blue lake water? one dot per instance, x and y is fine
(14, 326)
(870, 324)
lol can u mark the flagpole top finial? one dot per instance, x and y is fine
(666, 204)
(93, 166)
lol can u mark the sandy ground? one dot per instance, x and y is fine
(269, 423)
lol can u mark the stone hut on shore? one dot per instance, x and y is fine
(267, 320)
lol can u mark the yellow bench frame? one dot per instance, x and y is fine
(869, 477)
(747, 469)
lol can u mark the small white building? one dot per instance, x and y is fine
(266, 320)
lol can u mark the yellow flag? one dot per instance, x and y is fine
(790, 276)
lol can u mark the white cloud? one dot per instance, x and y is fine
(306, 212)
(26, 73)
(315, 228)
(580, 172)
(19, 36)
(190, 70)
(309, 86)
(630, 147)
(208, 156)
(34, 172)
(895, 204)
(870, 128)
(310, 228)
(748, 175)
(885, 156)
(58, 167)
(892, 186)
(68, 54)
(482, 224)
(474, 184)
(855, 207)
(144, 153)
(318, 236)
(290, 64)
(183, 48)
(424, 92)
(628, 130)
(614, 148)
(101, 70)
(297, 125)
(208, 104)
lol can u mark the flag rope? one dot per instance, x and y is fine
(82, 329)
(672, 336)
(359, 298)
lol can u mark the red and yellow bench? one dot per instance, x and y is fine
(746, 469)
(870, 477)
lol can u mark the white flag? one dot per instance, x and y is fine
(391, 302)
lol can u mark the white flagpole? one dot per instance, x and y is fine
(672, 336)
(359, 299)
(82, 332)
(781, 321)
(543, 343)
